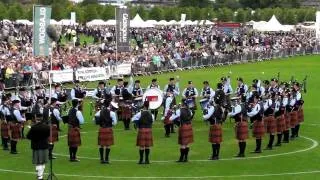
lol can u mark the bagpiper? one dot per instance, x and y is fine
(286, 107)
(241, 88)
(52, 117)
(183, 118)
(255, 114)
(214, 117)
(16, 126)
(108, 119)
(171, 90)
(6, 118)
(298, 108)
(143, 121)
(168, 112)
(126, 105)
(74, 137)
(101, 94)
(137, 94)
(269, 120)
(241, 128)
(280, 119)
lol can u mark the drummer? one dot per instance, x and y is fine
(137, 94)
(101, 94)
(154, 85)
(207, 94)
(116, 91)
(59, 94)
(190, 94)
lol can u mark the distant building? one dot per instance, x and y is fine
(155, 2)
(311, 3)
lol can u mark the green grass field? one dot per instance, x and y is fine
(297, 160)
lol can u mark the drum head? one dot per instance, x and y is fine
(203, 100)
(155, 98)
(114, 104)
(138, 99)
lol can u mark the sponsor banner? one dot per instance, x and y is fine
(91, 74)
(122, 29)
(62, 76)
(124, 69)
(41, 19)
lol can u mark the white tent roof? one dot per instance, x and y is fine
(209, 22)
(162, 22)
(139, 23)
(111, 22)
(24, 21)
(96, 22)
(153, 22)
(54, 22)
(272, 25)
(66, 22)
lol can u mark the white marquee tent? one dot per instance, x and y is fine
(139, 23)
(96, 22)
(273, 25)
(24, 21)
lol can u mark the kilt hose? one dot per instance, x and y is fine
(293, 119)
(74, 138)
(5, 130)
(281, 124)
(300, 115)
(105, 137)
(126, 112)
(258, 129)
(15, 131)
(287, 121)
(185, 136)
(270, 124)
(144, 137)
(242, 131)
(215, 134)
(54, 136)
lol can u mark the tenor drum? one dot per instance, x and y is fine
(155, 98)
(204, 103)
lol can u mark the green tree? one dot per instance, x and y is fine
(58, 12)
(241, 16)
(90, 12)
(142, 12)
(196, 14)
(156, 13)
(225, 14)
(3, 11)
(87, 2)
(108, 13)
(195, 3)
(170, 14)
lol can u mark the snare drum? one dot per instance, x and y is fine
(204, 103)
(190, 103)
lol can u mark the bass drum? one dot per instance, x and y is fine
(155, 98)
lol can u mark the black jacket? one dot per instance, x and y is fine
(39, 134)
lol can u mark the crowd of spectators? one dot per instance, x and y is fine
(160, 46)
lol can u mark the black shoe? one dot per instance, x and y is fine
(147, 162)
(278, 144)
(256, 151)
(179, 161)
(140, 162)
(74, 160)
(211, 158)
(104, 162)
(268, 148)
(185, 160)
(239, 156)
(215, 158)
(285, 141)
(6, 149)
(173, 132)
(167, 136)
(13, 152)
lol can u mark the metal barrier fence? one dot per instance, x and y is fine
(222, 59)
(143, 68)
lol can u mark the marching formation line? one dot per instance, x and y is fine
(314, 145)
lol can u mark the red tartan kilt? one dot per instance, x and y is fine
(300, 115)
(271, 124)
(126, 112)
(105, 137)
(55, 134)
(281, 123)
(144, 137)
(74, 138)
(293, 118)
(15, 131)
(5, 130)
(167, 121)
(215, 134)
(287, 121)
(185, 134)
(258, 129)
(242, 131)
